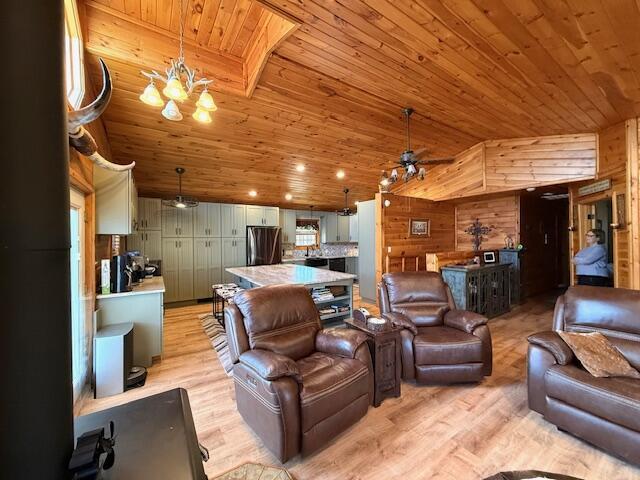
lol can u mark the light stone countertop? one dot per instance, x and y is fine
(328, 257)
(149, 285)
(283, 273)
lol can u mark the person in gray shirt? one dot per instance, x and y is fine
(591, 261)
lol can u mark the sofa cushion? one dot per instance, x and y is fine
(446, 346)
(598, 356)
(614, 399)
(329, 384)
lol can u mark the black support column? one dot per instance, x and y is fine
(36, 419)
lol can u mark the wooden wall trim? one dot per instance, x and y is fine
(633, 172)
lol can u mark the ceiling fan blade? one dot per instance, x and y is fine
(420, 151)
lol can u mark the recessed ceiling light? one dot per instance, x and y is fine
(288, 196)
(300, 167)
(387, 203)
(531, 189)
(253, 193)
(340, 174)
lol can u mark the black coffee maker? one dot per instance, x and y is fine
(120, 274)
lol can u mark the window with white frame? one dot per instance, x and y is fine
(74, 65)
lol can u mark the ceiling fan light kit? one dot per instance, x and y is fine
(174, 89)
(409, 160)
(346, 211)
(181, 201)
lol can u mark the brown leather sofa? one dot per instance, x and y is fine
(297, 386)
(440, 344)
(602, 411)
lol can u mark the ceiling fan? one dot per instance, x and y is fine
(181, 201)
(410, 161)
(346, 211)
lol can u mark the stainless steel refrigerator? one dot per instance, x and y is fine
(264, 245)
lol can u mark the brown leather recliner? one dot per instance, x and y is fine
(297, 386)
(602, 411)
(440, 344)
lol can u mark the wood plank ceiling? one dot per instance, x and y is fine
(330, 95)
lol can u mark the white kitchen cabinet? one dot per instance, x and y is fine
(177, 222)
(207, 265)
(262, 216)
(116, 202)
(329, 227)
(149, 213)
(343, 229)
(207, 220)
(307, 214)
(353, 228)
(351, 265)
(234, 254)
(234, 220)
(177, 268)
(288, 225)
(147, 242)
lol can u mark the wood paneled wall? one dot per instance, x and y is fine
(507, 165)
(501, 213)
(393, 229)
(612, 164)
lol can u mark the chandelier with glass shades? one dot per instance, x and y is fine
(174, 89)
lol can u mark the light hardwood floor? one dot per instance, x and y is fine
(445, 432)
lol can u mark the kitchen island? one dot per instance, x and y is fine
(331, 290)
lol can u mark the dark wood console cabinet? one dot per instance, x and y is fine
(385, 351)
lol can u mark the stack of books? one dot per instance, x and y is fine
(321, 294)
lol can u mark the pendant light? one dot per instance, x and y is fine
(181, 201)
(172, 112)
(151, 96)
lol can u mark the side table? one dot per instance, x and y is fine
(384, 346)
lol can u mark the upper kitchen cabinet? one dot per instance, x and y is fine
(207, 220)
(288, 225)
(234, 221)
(308, 214)
(328, 227)
(343, 229)
(353, 228)
(149, 213)
(147, 242)
(262, 216)
(177, 222)
(116, 202)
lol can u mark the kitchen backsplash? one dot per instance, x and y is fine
(329, 250)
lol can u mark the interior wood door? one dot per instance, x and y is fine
(171, 269)
(185, 276)
(271, 215)
(255, 215)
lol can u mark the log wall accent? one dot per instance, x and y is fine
(507, 165)
(393, 230)
(501, 213)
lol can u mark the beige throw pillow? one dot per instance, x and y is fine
(598, 356)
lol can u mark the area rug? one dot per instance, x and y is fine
(218, 339)
(255, 471)
(530, 475)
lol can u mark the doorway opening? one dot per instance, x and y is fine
(598, 216)
(79, 350)
(544, 233)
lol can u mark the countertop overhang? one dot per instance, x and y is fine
(282, 273)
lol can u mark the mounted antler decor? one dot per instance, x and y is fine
(80, 138)
(477, 230)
